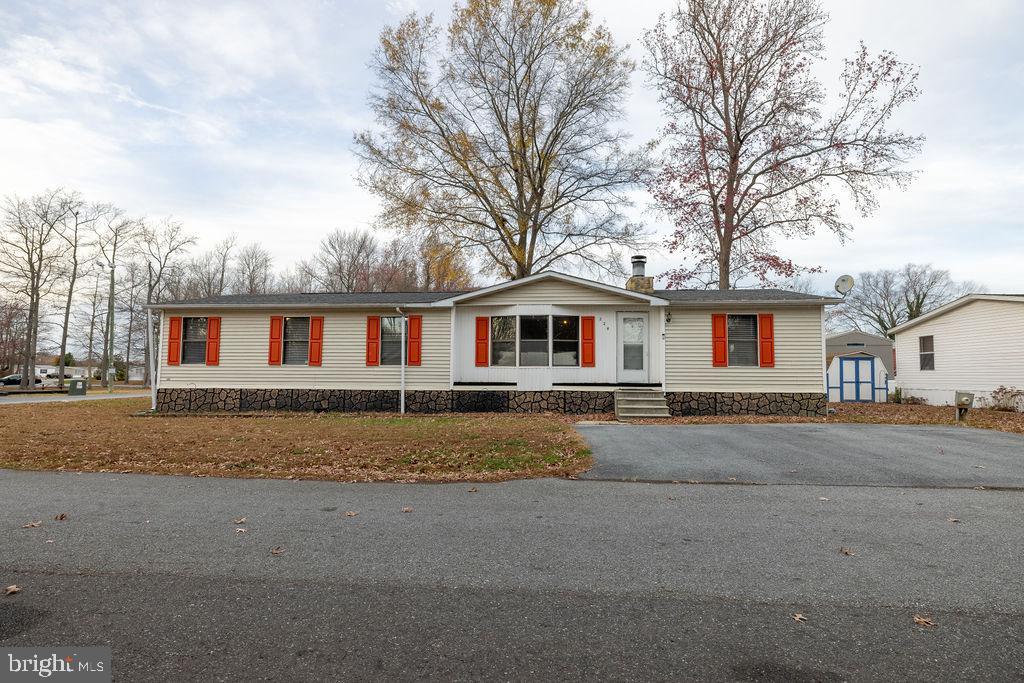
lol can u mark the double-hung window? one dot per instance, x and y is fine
(565, 345)
(534, 341)
(193, 340)
(742, 340)
(926, 349)
(296, 341)
(391, 340)
(503, 340)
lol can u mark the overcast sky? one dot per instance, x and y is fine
(239, 117)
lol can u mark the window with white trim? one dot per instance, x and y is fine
(193, 340)
(296, 341)
(742, 336)
(503, 340)
(534, 341)
(926, 350)
(391, 340)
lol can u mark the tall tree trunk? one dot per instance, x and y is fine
(64, 330)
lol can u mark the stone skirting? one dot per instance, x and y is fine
(718, 403)
(360, 400)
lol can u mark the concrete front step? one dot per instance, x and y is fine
(634, 403)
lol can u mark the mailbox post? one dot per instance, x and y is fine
(964, 402)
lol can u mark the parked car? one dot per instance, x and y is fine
(15, 380)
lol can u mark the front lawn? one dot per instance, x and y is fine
(103, 436)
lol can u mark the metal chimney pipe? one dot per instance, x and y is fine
(639, 265)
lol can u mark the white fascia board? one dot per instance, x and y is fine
(551, 275)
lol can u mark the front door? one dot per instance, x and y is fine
(633, 352)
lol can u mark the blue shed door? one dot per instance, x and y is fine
(857, 379)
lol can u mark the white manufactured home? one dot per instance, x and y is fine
(971, 344)
(547, 342)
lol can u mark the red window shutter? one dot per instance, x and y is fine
(719, 341)
(766, 339)
(212, 341)
(316, 340)
(174, 340)
(483, 337)
(587, 355)
(276, 334)
(373, 340)
(415, 341)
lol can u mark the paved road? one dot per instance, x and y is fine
(19, 399)
(543, 579)
(830, 454)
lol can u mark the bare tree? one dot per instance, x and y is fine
(114, 234)
(501, 136)
(30, 253)
(297, 279)
(395, 267)
(883, 299)
(254, 270)
(344, 260)
(73, 230)
(163, 244)
(13, 328)
(751, 155)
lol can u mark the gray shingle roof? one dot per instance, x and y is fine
(700, 296)
(316, 299)
(333, 299)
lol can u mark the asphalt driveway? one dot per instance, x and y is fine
(826, 454)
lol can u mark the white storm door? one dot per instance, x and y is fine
(633, 353)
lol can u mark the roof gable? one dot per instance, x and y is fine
(954, 305)
(552, 287)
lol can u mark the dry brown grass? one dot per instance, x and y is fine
(103, 436)
(872, 413)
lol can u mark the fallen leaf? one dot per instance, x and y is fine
(979, 488)
(843, 550)
(239, 530)
(32, 525)
(979, 467)
(49, 540)
(407, 509)
(953, 520)
(277, 550)
(351, 513)
(61, 517)
(12, 589)
(239, 520)
(923, 621)
(823, 498)
(472, 490)
(799, 617)
(732, 478)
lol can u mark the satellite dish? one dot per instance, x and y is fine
(844, 284)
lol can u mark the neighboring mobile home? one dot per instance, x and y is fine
(972, 344)
(547, 342)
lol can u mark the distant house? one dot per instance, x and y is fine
(547, 342)
(972, 344)
(845, 343)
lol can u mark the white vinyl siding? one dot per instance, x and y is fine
(245, 339)
(978, 347)
(798, 353)
(555, 292)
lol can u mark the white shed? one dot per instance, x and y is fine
(857, 378)
(971, 344)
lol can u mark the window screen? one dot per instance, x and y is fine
(926, 345)
(533, 340)
(742, 340)
(296, 341)
(391, 340)
(565, 331)
(503, 340)
(193, 340)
